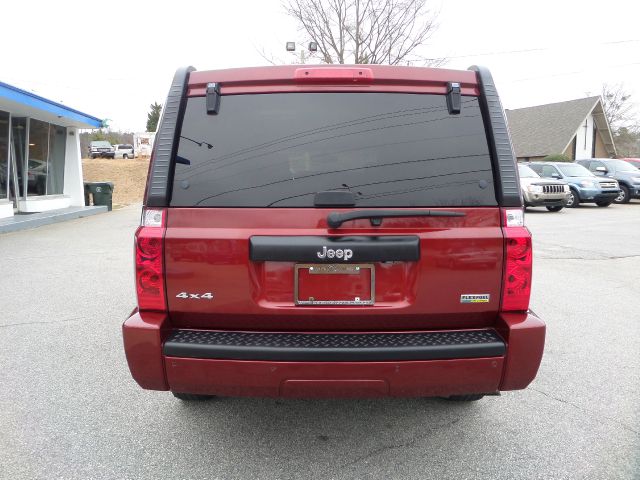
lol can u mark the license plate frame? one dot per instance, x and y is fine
(334, 269)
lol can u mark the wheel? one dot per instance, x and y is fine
(472, 397)
(574, 200)
(93, 156)
(125, 156)
(556, 208)
(624, 195)
(191, 397)
(603, 203)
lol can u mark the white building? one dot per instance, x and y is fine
(143, 143)
(40, 161)
(577, 129)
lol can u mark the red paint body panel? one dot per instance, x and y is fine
(207, 250)
(525, 334)
(283, 78)
(142, 333)
(396, 379)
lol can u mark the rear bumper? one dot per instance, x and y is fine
(506, 358)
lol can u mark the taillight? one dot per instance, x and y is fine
(150, 261)
(516, 280)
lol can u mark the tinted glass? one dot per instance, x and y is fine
(278, 150)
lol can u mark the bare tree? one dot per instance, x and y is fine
(367, 31)
(616, 104)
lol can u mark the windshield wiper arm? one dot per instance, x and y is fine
(335, 219)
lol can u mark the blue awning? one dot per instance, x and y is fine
(13, 95)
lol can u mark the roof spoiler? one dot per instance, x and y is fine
(502, 154)
(161, 170)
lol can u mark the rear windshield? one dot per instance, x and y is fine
(279, 150)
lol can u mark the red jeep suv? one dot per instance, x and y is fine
(333, 231)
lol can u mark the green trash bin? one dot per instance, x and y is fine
(102, 193)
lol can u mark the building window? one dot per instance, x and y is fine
(57, 151)
(4, 155)
(38, 156)
(45, 167)
(18, 147)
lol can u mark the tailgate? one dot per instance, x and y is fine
(285, 270)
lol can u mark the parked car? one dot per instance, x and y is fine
(124, 151)
(101, 148)
(365, 238)
(626, 174)
(584, 186)
(633, 161)
(539, 192)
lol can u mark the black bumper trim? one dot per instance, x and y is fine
(307, 248)
(334, 347)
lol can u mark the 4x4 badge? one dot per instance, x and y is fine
(196, 296)
(344, 254)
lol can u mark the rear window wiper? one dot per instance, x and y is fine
(335, 219)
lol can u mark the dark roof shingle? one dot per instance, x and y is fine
(547, 129)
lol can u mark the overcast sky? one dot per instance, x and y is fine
(112, 59)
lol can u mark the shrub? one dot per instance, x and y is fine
(556, 157)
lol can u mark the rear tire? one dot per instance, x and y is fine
(472, 397)
(603, 204)
(624, 195)
(556, 208)
(125, 156)
(574, 200)
(192, 397)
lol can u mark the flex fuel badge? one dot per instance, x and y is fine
(483, 298)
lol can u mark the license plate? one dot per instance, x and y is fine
(334, 284)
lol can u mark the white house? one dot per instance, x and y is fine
(577, 129)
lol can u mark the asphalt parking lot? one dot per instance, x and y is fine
(69, 409)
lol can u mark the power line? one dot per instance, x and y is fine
(539, 49)
(566, 74)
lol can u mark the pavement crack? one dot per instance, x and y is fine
(64, 320)
(405, 444)
(578, 407)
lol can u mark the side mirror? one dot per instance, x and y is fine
(601, 170)
(556, 175)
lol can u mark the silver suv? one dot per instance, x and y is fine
(124, 151)
(541, 192)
